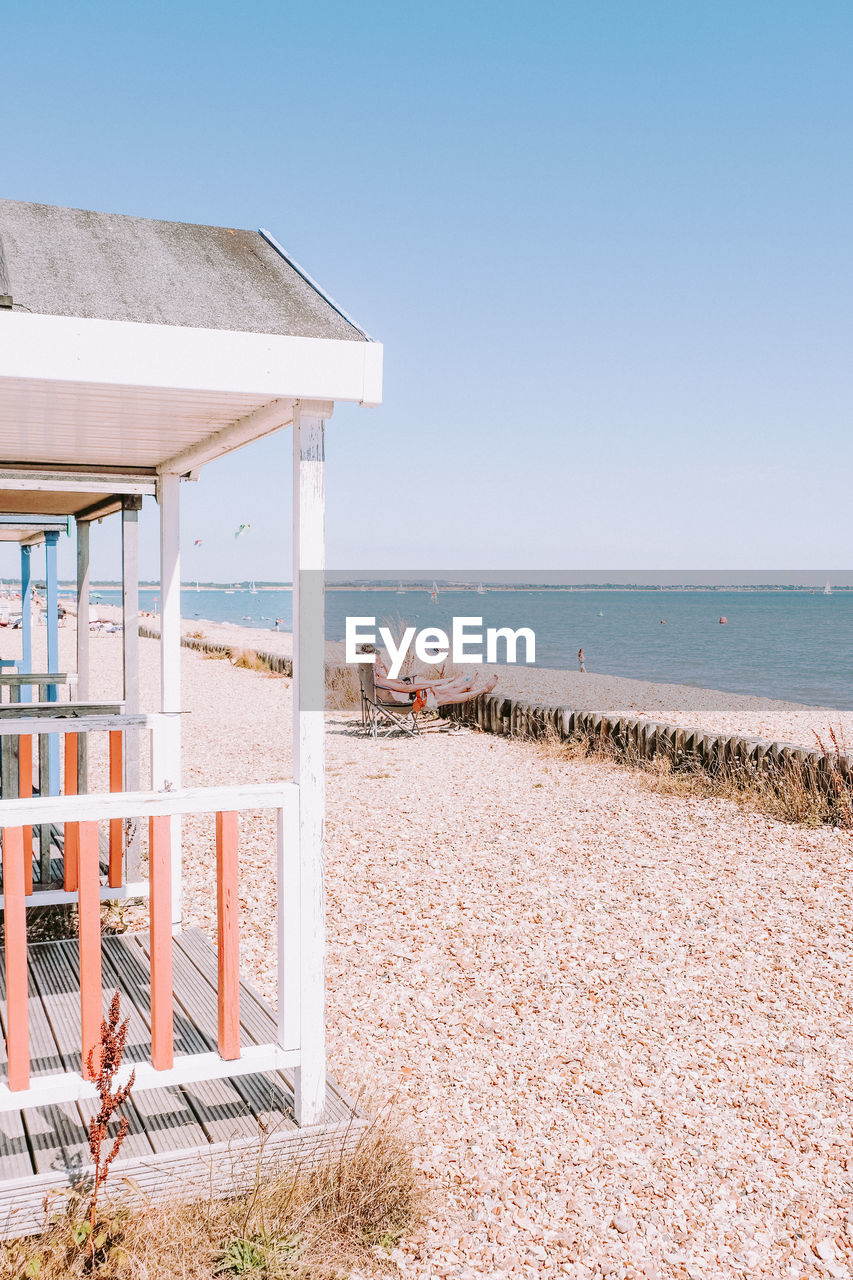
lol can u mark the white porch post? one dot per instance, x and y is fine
(309, 559)
(82, 611)
(83, 529)
(167, 767)
(130, 660)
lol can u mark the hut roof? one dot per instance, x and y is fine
(108, 266)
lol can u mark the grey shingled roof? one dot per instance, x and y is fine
(73, 262)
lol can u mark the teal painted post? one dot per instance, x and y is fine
(26, 620)
(52, 609)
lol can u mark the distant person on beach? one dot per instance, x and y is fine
(581, 660)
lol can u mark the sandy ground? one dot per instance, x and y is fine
(618, 1025)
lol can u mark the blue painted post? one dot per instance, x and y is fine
(26, 620)
(52, 609)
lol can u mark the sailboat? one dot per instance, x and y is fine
(253, 590)
(197, 587)
(827, 591)
(481, 590)
(433, 593)
(401, 590)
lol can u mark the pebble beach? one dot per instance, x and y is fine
(616, 1025)
(712, 710)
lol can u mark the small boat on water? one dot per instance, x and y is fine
(481, 590)
(401, 590)
(433, 591)
(827, 591)
(253, 590)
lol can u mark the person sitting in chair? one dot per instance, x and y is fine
(439, 692)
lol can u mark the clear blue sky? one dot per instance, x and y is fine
(607, 247)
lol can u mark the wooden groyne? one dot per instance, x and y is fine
(634, 740)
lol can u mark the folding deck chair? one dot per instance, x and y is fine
(383, 717)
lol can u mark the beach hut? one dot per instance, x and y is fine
(132, 353)
(20, 683)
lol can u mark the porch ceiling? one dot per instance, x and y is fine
(95, 425)
(158, 346)
(61, 502)
(30, 526)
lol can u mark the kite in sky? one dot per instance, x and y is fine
(242, 529)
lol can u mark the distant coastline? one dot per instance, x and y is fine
(356, 584)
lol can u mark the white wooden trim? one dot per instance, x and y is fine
(69, 1086)
(308, 750)
(318, 288)
(260, 422)
(132, 778)
(371, 395)
(289, 945)
(37, 480)
(170, 610)
(83, 584)
(73, 724)
(101, 806)
(123, 353)
(60, 897)
(169, 750)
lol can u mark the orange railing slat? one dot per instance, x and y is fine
(89, 916)
(228, 936)
(17, 1020)
(25, 791)
(116, 824)
(72, 829)
(160, 916)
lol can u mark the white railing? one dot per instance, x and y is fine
(71, 725)
(84, 812)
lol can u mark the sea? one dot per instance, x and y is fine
(793, 645)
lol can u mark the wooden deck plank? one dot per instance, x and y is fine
(218, 1105)
(224, 1107)
(56, 1134)
(169, 1120)
(160, 1114)
(270, 1094)
(15, 1158)
(223, 1168)
(55, 967)
(204, 1136)
(256, 1017)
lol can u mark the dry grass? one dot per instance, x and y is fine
(788, 794)
(347, 1213)
(251, 660)
(342, 688)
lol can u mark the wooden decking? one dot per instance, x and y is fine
(182, 1139)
